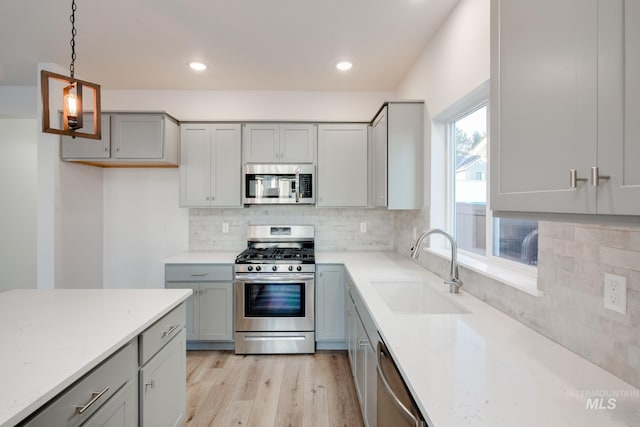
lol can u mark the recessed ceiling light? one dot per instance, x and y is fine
(344, 66)
(197, 66)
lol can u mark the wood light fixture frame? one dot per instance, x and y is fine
(45, 78)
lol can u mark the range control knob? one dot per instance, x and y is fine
(274, 268)
(258, 268)
(291, 268)
(250, 268)
(299, 268)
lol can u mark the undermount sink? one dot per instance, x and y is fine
(415, 297)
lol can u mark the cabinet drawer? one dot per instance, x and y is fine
(198, 272)
(90, 392)
(161, 332)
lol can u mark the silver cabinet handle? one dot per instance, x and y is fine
(199, 274)
(596, 177)
(573, 178)
(405, 411)
(363, 343)
(151, 384)
(80, 409)
(170, 330)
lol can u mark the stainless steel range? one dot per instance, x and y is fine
(274, 291)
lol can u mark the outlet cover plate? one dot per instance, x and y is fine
(615, 293)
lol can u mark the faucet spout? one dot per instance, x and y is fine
(454, 281)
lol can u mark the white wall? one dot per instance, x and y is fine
(455, 61)
(19, 190)
(18, 102)
(142, 226)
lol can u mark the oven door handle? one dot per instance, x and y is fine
(271, 278)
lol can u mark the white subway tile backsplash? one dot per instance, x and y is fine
(336, 229)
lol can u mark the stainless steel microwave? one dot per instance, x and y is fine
(278, 184)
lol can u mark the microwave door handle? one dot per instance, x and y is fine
(297, 185)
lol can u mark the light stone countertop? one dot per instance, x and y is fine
(483, 368)
(51, 338)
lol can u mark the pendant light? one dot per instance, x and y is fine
(72, 97)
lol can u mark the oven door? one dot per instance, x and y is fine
(274, 302)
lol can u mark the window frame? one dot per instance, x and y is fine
(513, 273)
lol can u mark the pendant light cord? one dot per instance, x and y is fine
(72, 18)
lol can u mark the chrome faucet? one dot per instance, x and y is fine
(454, 282)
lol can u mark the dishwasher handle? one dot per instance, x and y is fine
(405, 411)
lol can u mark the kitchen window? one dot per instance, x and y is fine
(504, 248)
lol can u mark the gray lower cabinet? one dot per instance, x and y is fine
(362, 337)
(141, 384)
(330, 307)
(210, 307)
(163, 385)
(82, 400)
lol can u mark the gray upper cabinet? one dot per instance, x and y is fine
(342, 165)
(619, 106)
(128, 139)
(564, 84)
(85, 148)
(279, 143)
(397, 158)
(210, 165)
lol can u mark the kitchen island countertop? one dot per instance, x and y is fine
(51, 338)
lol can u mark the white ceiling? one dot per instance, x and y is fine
(247, 44)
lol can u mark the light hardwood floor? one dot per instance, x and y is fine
(225, 389)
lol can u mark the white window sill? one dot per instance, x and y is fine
(522, 278)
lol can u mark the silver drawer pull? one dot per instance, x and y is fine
(201, 274)
(169, 331)
(80, 409)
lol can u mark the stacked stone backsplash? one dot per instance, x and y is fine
(572, 260)
(336, 229)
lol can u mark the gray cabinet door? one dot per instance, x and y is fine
(163, 399)
(544, 104)
(351, 317)
(261, 143)
(85, 148)
(342, 165)
(297, 143)
(138, 136)
(619, 107)
(405, 144)
(330, 303)
(379, 136)
(226, 166)
(371, 384)
(195, 165)
(216, 311)
(360, 363)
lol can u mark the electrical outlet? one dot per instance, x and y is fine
(615, 293)
(363, 227)
(225, 227)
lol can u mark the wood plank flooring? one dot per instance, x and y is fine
(225, 389)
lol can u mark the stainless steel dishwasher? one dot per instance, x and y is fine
(396, 408)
